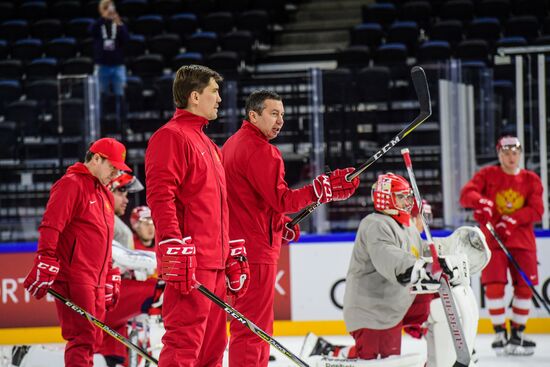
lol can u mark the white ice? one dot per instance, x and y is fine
(487, 357)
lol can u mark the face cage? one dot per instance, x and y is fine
(408, 196)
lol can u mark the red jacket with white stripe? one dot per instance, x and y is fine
(77, 227)
(186, 190)
(258, 194)
(518, 196)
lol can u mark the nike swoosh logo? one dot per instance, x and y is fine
(93, 201)
(203, 153)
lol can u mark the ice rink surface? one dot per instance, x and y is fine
(486, 356)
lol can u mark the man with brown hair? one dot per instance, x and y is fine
(186, 192)
(74, 248)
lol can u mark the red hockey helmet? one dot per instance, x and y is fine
(392, 195)
(509, 142)
(125, 182)
(140, 214)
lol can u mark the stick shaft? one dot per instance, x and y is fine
(250, 325)
(102, 326)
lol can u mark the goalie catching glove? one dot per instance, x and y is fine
(41, 276)
(178, 263)
(112, 288)
(333, 186)
(237, 272)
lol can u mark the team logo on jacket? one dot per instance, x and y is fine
(217, 157)
(509, 201)
(108, 207)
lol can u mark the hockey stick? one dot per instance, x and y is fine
(250, 325)
(423, 93)
(103, 327)
(457, 333)
(516, 265)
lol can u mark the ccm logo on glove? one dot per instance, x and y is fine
(178, 250)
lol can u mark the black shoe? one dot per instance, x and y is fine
(501, 340)
(518, 345)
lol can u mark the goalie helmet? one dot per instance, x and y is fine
(125, 182)
(392, 195)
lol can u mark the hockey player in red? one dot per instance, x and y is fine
(74, 248)
(144, 229)
(258, 198)
(511, 199)
(186, 192)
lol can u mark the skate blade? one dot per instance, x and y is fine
(518, 350)
(309, 344)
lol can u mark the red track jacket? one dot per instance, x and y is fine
(518, 196)
(186, 190)
(258, 194)
(77, 227)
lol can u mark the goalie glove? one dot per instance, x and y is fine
(178, 263)
(422, 281)
(41, 276)
(334, 187)
(457, 269)
(469, 241)
(237, 271)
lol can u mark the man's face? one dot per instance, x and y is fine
(145, 229)
(104, 170)
(121, 201)
(270, 121)
(107, 10)
(404, 200)
(509, 159)
(208, 101)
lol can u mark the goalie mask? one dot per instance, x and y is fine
(392, 195)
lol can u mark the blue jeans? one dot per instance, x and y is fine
(114, 75)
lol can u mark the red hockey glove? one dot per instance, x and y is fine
(505, 227)
(334, 187)
(237, 272)
(290, 234)
(41, 276)
(178, 263)
(112, 288)
(416, 331)
(483, 211)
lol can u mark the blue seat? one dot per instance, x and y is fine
(148, 25)
(42, 68)
(61, 48)
(383, 13)
(203, 42)
(12, 30)
(47, 29)
(186, 58)
(405, 32)
(183, 24)
(79, 28)
(434, 51)
(27, 49)
(486, 28)
(367, 34)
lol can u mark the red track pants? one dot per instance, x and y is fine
(196, 332)
(83, 338)
(246, 348)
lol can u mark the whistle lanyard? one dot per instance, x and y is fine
(113, 31)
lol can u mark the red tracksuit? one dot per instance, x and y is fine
(135, 298)
(187, 196)
(258, 197)
(77, 229)
(518, 196)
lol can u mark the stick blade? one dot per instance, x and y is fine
(422, 91)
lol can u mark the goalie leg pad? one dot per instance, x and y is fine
(440, 344)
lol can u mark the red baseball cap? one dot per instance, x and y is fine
(113, 150)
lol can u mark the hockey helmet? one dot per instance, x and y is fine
(508, 142)
(392, 195)
(125, 182)
(140, 214)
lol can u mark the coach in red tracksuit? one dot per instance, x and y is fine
(186, 192)
(258, 198)
(74, 248)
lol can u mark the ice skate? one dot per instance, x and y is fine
(316, 346)
(500, 342)
(518, 345)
